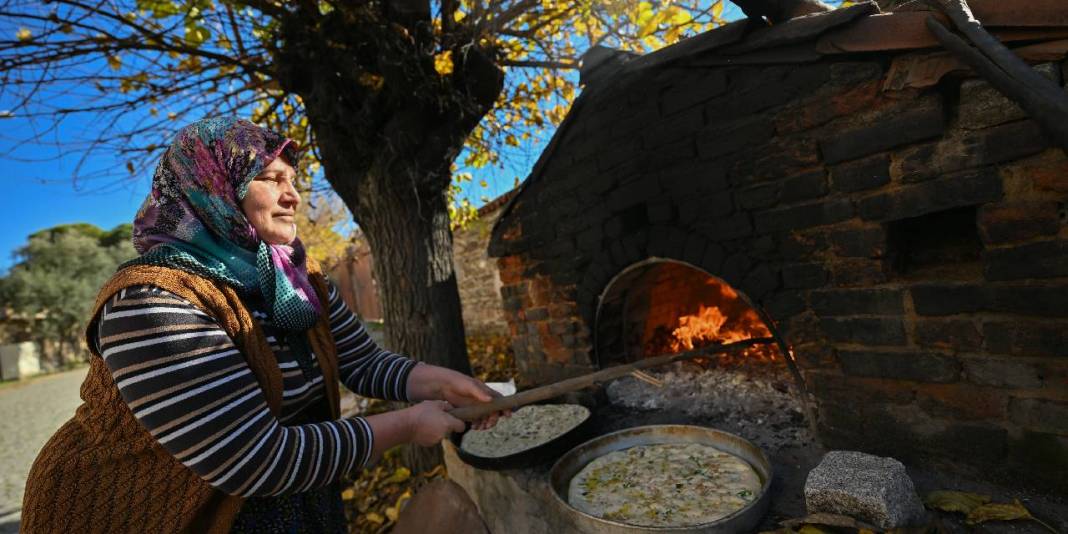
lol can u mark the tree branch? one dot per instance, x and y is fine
(548, 64)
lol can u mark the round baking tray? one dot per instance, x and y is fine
(545, 452)
(744, 520)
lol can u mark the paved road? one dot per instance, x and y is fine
(29, 413)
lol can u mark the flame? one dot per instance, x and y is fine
(707, 326)
(728, 320)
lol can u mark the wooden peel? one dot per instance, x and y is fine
(475, 412)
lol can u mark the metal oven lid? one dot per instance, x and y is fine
(743, 520)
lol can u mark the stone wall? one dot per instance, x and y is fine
(910, 242)
(476, 276)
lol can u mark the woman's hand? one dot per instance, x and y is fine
(458, 389)
(429, 422)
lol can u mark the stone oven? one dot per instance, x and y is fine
(898, 220)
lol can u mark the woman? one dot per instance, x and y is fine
(211, 403)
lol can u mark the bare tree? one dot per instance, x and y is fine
(387, 94)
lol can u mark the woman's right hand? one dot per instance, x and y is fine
(429, 422)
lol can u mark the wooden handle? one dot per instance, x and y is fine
(475, 412)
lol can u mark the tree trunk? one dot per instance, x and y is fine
(386, 150)
(412, 246)
(408, 230)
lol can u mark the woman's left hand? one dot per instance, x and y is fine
(458, 389)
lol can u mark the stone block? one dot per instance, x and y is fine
(686, 179)
(838, 302)
(1028, 298)
(733, 227)
(1002, 373)
(1043, 259)
(804, 216)
(996, 145)
(847, 389)
(1047, 171)
(915, 121)
(853, 272)
(972, 149)
(981, 105)
(735, 267)
(803, 245)
(915, 163)
(953, 335)
(785, 304)
(783, 156)
(870, 488)
(882, 331)
(692, 90)
(721, 138)
(861, 174)
(915, 366)
(693, 249)
(948, 299)
(697, 207)
(632, 193)
(865, 242)
(855, 88)
(759, 282)
(759, 91)
(961, 402)
(806, 186)
(660, 211)
(760, 196)
(1017, 221)
(590, 239)
(658, 241)
(662, 133)
(804, 275)
(1026, 338)
(681, 150)
(712, 259)
(956, 190)
(676, 243)
(622, 151)
(1041, 415)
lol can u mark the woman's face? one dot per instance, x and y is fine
(271, 203)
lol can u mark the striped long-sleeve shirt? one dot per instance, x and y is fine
(186, 381)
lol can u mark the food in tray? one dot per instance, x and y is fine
(527, 428)
(664, 485)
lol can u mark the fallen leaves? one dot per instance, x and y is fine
(955, 501)
(376, 497)
(978, 508)
(492, 359)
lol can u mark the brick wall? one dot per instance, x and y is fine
(911, 243)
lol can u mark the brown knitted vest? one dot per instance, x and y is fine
(103, 472)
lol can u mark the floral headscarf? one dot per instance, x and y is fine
(192, 218)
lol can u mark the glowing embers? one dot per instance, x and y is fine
(723, 318)
(665, 307)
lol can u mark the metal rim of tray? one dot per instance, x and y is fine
(744, 519)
